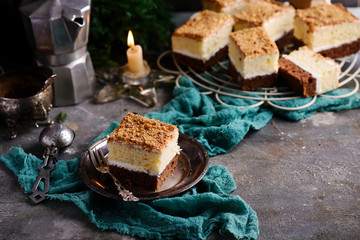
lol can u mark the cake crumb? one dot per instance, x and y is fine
(139, 131)
(204, 25)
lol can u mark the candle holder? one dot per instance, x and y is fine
(144, 94)
(139, 78)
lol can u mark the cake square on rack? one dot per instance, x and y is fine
(302, 4)
(276, 18)
(227, 6)
(202, 41)
(253, 58)
(143, 151)
(328, 29)
(309, 73)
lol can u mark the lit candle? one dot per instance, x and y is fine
(134, 55)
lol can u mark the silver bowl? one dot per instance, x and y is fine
(25, 95)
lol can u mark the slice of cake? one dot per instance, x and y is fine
(302, 4)
(328, 29)
(143, 151)
(277, 19)
(227, 6)
(253, 58)
(309, 73)
(203, 40)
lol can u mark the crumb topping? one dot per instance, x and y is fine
(204, 25)
(261, 11)
(139, 131)
(254, 42)
(324, 15)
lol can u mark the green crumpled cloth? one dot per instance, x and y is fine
(220, 127)
(194, 214)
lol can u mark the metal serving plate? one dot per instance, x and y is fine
(192, 165)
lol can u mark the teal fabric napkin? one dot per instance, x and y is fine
(218, 127)
(322, 104)
(192, 215)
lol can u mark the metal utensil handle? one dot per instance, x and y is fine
(45, 168)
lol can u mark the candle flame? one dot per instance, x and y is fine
(130, 39)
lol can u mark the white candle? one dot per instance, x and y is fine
(135, 59)
(134, 55)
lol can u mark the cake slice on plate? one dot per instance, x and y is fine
(143, 151)
(276, 18)
(203, 40)
(309, 73)
(253, 58)
(328, 29)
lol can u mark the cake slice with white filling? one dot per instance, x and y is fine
(309, 73)
(253, 58)
(328, 29)
(203, 40)
(143, 151)
(275, 17)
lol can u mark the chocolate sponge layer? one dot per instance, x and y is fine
(198, 64)
(299, 80)
(336, 52)
(285, 40)
(142, 179)
(252, 83)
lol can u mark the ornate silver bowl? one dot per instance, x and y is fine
(25, 95)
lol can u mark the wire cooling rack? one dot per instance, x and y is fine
(217, 80)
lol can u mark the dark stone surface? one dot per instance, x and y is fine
(300, 177)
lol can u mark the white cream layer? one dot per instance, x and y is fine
(326, 71)
(202, 50)
(133, 168)
(252, 74)
(327, 37)
(137, 159)
(189, 53)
